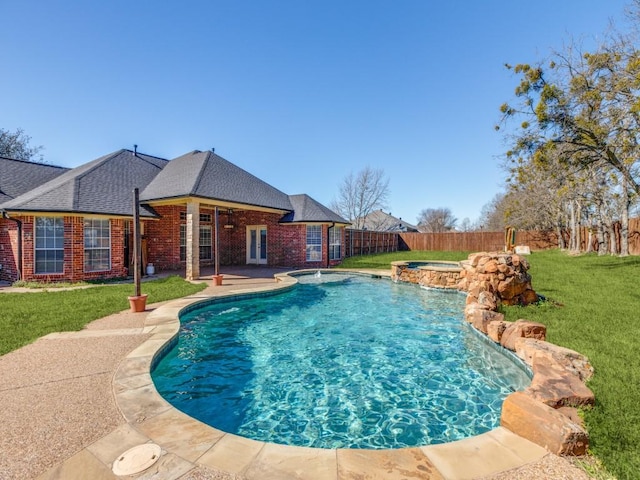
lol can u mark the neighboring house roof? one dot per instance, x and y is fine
(207, 175)
(306, 209)
(379, 221)
(19, 176)
(102, 186)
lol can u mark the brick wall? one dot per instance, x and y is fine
(8, 250)
(236, 238)
(286, 244)
(73, 270)
(28, 254)
(163, 238)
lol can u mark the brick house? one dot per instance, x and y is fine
(76, 224)
(379, 221)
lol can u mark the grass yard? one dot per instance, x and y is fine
(24, 317)
(593, 308)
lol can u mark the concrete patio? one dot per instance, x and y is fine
(73, 402)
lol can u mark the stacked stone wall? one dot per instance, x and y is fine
(440, 278)
(445, 276)
(501, 275)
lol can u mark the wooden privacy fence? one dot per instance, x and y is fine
(474, 241)
(495, 241)
(365, 242)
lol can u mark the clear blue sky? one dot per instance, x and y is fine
(297, 92)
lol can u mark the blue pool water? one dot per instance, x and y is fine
(339, 362)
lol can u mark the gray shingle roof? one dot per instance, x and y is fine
(18, 177)
(379, 221)
(207, 175)
(105, 185)
(306, 209)
(102, 186)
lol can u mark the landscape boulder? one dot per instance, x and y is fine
(522, 328)
(529, 348)
(543, 425)
(495, 329)
(555, 386)
(480, 317)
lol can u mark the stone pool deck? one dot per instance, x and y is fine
(73, 402)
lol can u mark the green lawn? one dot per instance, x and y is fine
(594, 308)
(24, 317)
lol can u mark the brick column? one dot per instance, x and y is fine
(74, 231)
(193, 241)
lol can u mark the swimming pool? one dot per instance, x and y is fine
(340, 361)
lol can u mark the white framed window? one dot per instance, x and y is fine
(49, 245)
(314, 243)
(335, 243)
(206, 252)
(97, 245)
(183, 243)
(205, 243)
(204, 217)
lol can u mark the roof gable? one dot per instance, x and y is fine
(102, 186)
(306, 209)
(19, 176)
(207, 175)
(379, 221)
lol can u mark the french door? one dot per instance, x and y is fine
(257, 244)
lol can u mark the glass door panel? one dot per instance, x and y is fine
(263, 245)
(257, 244)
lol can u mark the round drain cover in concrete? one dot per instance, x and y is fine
(137, 459)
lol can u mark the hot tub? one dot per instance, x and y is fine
(427, 273)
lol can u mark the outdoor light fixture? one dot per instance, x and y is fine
(229, 224)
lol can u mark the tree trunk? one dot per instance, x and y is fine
(605, 240)
(624, 220)
(600, 235)
(572, 227)
(561, 244)
(589, 245)
(612, 239)
(578, 216)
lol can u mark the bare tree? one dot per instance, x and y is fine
(436, 220)
(360, 194)
(493, 214)
(16, 145)
(466, 225)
